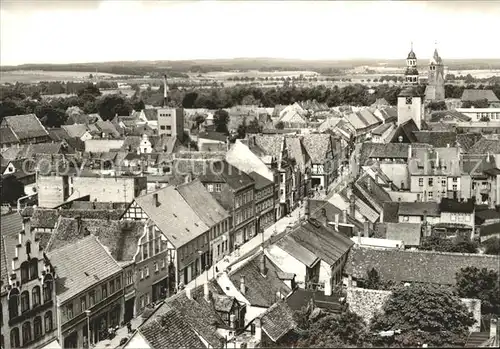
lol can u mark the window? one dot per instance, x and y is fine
(455, 179)
(33, 268)
(91, 298)
(406, 218)
(210, 187)
(37, 327)
(430, 194)
(467, 218)
(14, 338)
(83, 303)
(431, 182)
(421, 182)
(218, 187)
(35, 296)
(147, 299)
(460, 218)
(443, 182)
(130, 277)
(69, 311)
(104, 291)
(112, 287)
(25, 272)
(162, 127)
(25, 301)
(141, 301)
(118, 283)
(163, 263)
(455, 187)
(453, 217)
(155, 265)
(146, 271)
(408, 101)
(145, 253)
(28, 247)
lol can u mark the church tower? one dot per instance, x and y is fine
(434, 91)
(170, 120)
(410, 103)
(411, 73)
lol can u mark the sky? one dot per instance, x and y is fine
(75, 31)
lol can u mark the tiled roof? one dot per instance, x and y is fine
(379, 130)
(170, 330)
(58, 134)
(475, 95)
(450, 205)
(151, 114)
(477, 164)
(223, 303)
(324, 242)
(26, 126)
(414, 266)
(108, 128)
(380, 101)
(316, 206)
(391, 210)
(75, 130)
(406, 130)
(448, 116)
(356, 121)
(224, 172)
(329, 124)
(419, 209)
(484, 146)
(372, 192)
(488, 214)
(467, 140)
(368, 116)
(174, 217)
(44, 218)
(297, 151)
(11, 223)
(120, 238)
(409, 233)
(438, 139)
(293, 248)
(317, 145)
(80, 266)
(261, 290)
(7, 136)
(203, 203)
(212, 135)
(270, 144)
(260, 182)
(278, 320)
(378, 150)
(302, 298)
(490, 229)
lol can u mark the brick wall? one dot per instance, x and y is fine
(366, 302)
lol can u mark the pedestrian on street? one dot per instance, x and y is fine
(129, 327)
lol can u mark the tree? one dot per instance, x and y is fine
(492, 246)
(241, 132)
(111, 105)
(199, 119)
(189, 99)
(319, 330)
(50, 116)
(221, 119)
(89, 89)
(481, 284)
(438, 243)
(434, 106)
(480, 103)
(374, 282)
(138, 104)
(254, 126)
(11, 189)
(279, 125)
(425, 315)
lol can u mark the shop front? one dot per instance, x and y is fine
(160, 289)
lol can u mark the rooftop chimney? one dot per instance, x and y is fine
(258, 329)
(156, 201)
(206, 292)
(409, 152)
(188, 293)
(336, 221)
(369, 184)
(165, 91)
(242, 285)
(344, 216)
(488, 157)
(232, 320)
(352, 205)
(263, 269)
(376, 178)
(366, 228)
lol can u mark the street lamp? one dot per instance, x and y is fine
(87, 313)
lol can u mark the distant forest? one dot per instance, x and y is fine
(181, 68)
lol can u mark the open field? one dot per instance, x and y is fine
(477, 73)
(223, 75)
(34, 76)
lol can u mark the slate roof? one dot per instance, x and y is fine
(170, 330)
(203, 203)
(261, 291)
(278, 320)
(484, 146)
(7, 136)
(26, 126)
(487, 214)
(120, 238)
(419, 209)
(414, 266)
(174, 217)
(450, 205)
(260, 182)
(11, 223)
(438, 139)
(475, 95)
(490, 229)
(81, 265)
(409, 233)
(317, 145)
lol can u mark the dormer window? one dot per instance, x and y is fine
(28, 247)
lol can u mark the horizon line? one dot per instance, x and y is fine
(305, 60)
